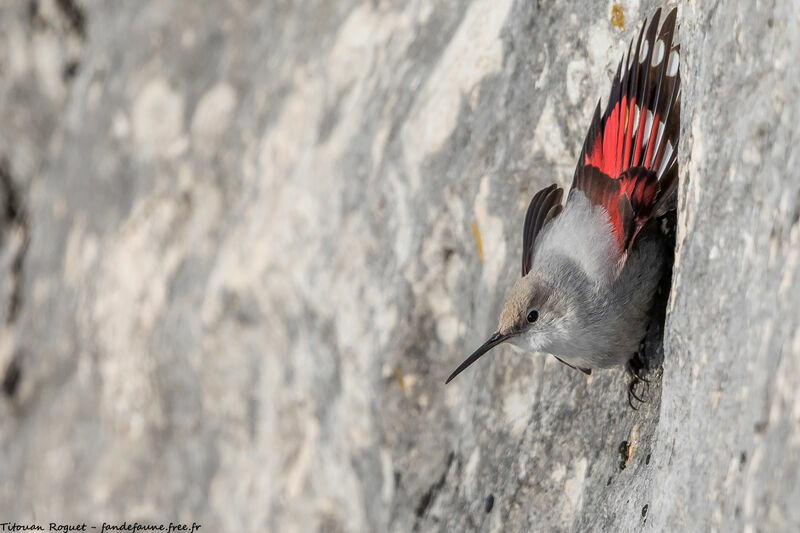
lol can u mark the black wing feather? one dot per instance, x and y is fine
(544, 207)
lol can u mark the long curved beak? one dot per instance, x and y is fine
(493, 341)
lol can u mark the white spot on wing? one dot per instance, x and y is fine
(648, 125)
(645, 48)
(672, 66)
(658, 52)
(665, 159)
(660, 133)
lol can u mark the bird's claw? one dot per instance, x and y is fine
(635, 368)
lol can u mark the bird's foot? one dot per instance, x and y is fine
(632, 394)
(636, 367)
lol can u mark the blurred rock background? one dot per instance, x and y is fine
(244, 242)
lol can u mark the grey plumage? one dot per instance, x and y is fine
(591, 313)
(590, 268)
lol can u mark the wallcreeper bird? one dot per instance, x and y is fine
(590, 268)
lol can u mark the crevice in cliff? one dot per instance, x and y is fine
(13, 218)
(66, 19)
(654, 341)
(430, 495)
(70, 16)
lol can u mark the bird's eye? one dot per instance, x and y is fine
(533, 316)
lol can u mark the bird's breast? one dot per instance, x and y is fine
(583, 234)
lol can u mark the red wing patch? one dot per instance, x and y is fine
(628, 162)
(629, 199)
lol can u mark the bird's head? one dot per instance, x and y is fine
(532, 319)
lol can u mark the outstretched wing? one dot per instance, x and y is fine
(628, 163)
(545, 205)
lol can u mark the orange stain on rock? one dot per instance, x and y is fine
(401, 380)
(617, 17)
(478, 240)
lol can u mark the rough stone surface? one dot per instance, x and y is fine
(243, 243)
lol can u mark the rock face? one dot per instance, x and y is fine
(244, 243)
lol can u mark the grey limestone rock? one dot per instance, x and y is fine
(253, 238)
